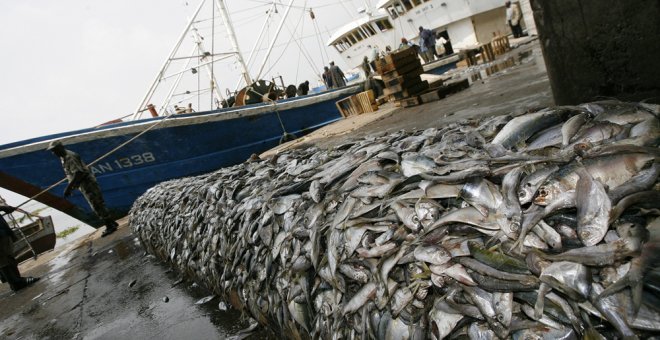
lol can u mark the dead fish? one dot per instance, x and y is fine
(549, 137)
(530, 184)
(571, 278)
(482, 195)
(610, 170)
(593, 209)
(597, 132)
(205, 300)
(377, 251)
(414, 164)
(644, 180)
(432, 254)
(315, 191)
(518, 129)
(454, 271)
(599, 255)
(469, 215)
(442, 322)
(497, 260)
(484, 269)
(571, 127)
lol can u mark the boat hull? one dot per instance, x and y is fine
(41, 236)
(172, 147)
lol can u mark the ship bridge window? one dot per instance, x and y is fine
(399, 9)
(407, 4)
(358, 35)
(369, 30)
(392, 12)
(351, 39)
(383, 25)
(416, 2)
(347, 43)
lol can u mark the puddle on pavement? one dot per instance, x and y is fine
(57, 264)
(123, 250)
(482, 71)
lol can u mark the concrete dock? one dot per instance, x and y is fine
(108, 288)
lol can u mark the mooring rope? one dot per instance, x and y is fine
(99, 159)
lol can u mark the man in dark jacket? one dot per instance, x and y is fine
(8, 266)
(327, 78)
(303, 88)
(81, 178)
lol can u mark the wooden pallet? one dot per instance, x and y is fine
(501, 44)
(382, 66)
(430, 96)
(408, 102)
(412, 69)
(349, 106)
(408, 92)
(357, 104)
(367, 101)
(405, 80)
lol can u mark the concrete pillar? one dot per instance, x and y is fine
(600, 48)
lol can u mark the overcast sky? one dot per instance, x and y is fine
(71, 64)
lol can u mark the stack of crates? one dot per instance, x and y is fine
(401, 72)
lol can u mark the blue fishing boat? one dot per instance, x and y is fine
(129, 157)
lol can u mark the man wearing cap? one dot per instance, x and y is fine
(82, 179)
(8, 266)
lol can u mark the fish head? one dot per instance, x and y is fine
(511, 226)
(582, 148)
(526, 193)
(545, 195)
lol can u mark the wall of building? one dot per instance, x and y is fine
(488, 23)
(600, 48)
(462, 34)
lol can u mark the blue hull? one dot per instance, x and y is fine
(179, 146)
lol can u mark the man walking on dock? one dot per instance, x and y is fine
(82, 179)
(8, 265)
(338, 78)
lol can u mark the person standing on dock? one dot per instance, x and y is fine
(338, 78)
(8, 265)
(366, 67)
(82, 179)
(427, 42)
(513, 17)
(327, 78)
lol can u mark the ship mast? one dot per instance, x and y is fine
(233, 40)
(166, 64)
(272, 43)
(209, 69)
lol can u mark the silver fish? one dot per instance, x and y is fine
(593, 209)
(571, 127)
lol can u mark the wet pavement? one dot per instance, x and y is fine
(86, 290)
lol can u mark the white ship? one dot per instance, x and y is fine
(465, 23)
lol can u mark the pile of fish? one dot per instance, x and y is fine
(543, 225)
